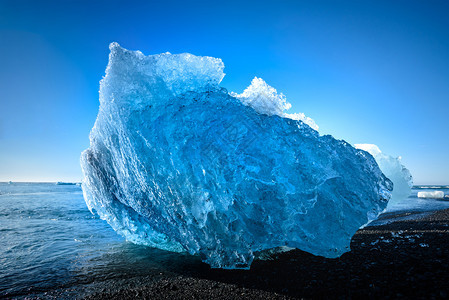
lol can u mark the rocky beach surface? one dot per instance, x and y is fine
(405, 258)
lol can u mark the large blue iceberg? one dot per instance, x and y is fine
(178, 163)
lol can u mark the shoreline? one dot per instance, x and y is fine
(401, 259)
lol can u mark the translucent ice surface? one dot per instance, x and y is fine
(178, 163)
(394, 170)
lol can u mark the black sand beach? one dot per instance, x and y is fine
(403, 259)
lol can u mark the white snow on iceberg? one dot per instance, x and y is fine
(266, 100)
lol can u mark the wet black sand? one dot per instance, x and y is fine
(403, 259)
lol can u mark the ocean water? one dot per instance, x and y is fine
(415, 204)
(49, 240)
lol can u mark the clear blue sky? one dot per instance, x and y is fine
(365, 71)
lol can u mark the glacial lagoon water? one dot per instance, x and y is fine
(50, 240)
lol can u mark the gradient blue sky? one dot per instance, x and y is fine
(365, 71)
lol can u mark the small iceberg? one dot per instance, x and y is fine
(393, 168)
(65, 183)
(433, 195)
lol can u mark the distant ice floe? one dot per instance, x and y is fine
(433, 195)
